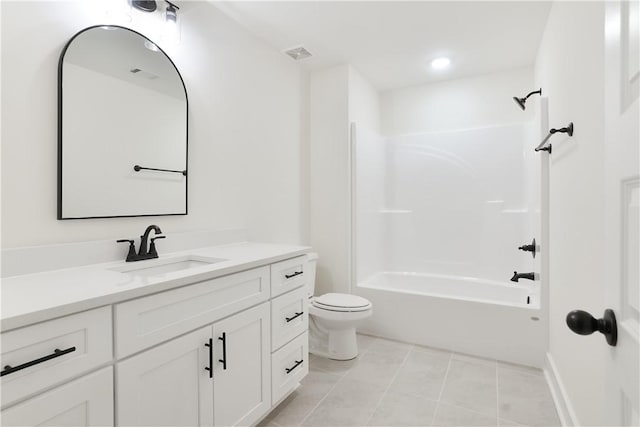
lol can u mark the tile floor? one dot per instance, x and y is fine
(398, 384)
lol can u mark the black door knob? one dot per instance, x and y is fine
(583, 323)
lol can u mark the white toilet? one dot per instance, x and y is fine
(333, 319)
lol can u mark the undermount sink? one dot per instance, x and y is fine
(160, 266)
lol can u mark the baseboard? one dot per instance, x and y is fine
(558, 392)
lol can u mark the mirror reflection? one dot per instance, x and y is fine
(123, 127)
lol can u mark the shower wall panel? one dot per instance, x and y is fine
(459, 202)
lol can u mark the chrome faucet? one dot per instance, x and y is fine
(143, 252)
(528, 276)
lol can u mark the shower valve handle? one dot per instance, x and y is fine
(530, 248)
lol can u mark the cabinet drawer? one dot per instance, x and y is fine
(150, 320)
(289, 366)
(87, 401)
(288, 274)
(289, 317)
(54, 351)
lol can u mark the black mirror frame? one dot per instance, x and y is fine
(60, 90)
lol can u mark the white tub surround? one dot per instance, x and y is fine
(468, 315)
(209, 336)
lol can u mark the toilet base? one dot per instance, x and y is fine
(339, 344)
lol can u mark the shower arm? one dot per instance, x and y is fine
(567, 129)
(539, 91)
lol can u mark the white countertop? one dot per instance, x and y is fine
(32, 298)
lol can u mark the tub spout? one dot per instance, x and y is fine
(517, 276)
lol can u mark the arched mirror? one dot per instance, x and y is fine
(122, 132)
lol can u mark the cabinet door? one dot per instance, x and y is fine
(242, 377)
(87, 401)
(167, 385)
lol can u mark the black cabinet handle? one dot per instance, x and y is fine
(298, 363)
(298, 314)
(210, 367)
(223, 338)
(583, 323)
(297, 273)
(56, 353)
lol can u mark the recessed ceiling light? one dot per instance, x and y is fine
(440, 63)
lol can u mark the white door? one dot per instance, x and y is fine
(242, 373)
(622, 189)
(87, 401)
(167, 385)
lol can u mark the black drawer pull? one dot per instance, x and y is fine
(223, 338)
(297, 273)
(298, 363)
(210, 367)
(56, 353)
(298, 314)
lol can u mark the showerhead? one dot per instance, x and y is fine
(522, 101)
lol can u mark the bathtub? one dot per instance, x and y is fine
(498, 320)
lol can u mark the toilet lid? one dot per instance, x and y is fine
(342, 302)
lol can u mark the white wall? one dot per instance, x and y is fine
(364, 102)
(473, 102)
(338, 96)
(247, 129)
(570, 69)
(329, 177)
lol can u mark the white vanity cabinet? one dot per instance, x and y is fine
(85, 402)
(242, 367)
(289, 326)
(217, 352)
(217, 375)
(48, 358)
(167, 385)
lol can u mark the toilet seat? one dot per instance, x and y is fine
(341, 302)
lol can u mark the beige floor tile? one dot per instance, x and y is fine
(508, 423)
(422, 374)
(350, 403)
(525, 399)
(380, 363)
(267, 423)
(472, 386)
(454, 416)
(400, 409)
(293, 410)
(397, 384)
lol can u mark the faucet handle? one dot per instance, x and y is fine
(132, 249)
(152, 246)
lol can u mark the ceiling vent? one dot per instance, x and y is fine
(298, 53)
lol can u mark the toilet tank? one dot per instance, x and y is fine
(312, 259)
